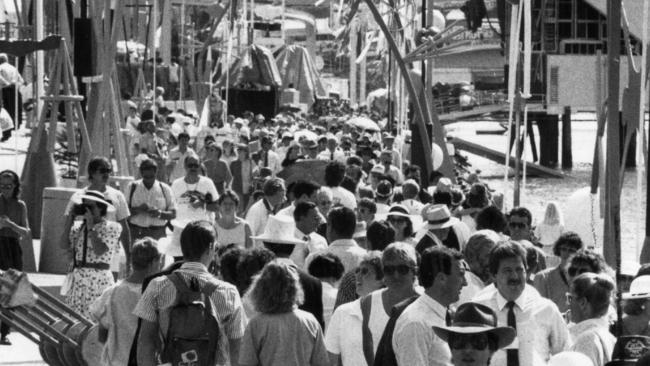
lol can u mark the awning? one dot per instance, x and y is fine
(633, 10)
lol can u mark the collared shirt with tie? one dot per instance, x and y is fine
(313, 243)
(541, 331)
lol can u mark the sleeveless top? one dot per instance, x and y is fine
(235, 235)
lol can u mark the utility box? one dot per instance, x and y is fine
(53, 259)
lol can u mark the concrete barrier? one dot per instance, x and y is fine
(53, 259)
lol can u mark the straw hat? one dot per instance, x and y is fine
(438, 216)
(639, 289)
(473, 318)
(279, 229)
(95, 196)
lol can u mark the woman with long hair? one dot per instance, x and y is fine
(13, 226)
(281, 334)
(231, 229)
(549, 230)
(229, 152)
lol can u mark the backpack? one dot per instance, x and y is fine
(193, 332)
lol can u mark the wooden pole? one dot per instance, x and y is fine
(567, 153)
(354, 28)
(518, 146)
(612, 231)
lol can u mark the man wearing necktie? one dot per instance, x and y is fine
(541, 331)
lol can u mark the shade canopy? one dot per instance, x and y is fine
(255, 67)
(297, 69)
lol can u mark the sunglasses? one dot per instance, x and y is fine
(460, 341)
(192, 166)
(105, 171)
(362, 271)
(574, 271)
(568, 249)
(402, 269)
(516, 225)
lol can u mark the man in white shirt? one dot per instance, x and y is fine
(268, 158)
(477, 255)
(151, 203)
(541, 331)
(442, 274)
(307, 219)
(341, 224)
(334, 174)
(389, 143)
(390, 170)
(287, 139)
(332, 152)
(258, 213)
(177, 155)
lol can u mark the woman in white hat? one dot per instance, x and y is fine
(473, 336)
(400, 220)
(636, 307)
(93, 242)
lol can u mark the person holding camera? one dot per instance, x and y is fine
(93, 241)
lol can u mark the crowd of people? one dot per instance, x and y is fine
(374, 265)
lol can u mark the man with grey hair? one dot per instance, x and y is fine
(10, 78)
(410, 191)
(477, 255)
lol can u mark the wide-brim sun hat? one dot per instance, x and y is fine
(279, 229)
(474, 318)
(94, 196)
(438, 216)
(398, 210)
(639, 289)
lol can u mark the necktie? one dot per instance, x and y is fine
(266, 158)
(332, 156)
(513, 354)
(305, 238)
(448, 317)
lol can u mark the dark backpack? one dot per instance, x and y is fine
(193, 333)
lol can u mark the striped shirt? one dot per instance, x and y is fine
(160, 296)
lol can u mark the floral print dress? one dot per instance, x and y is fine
(89, 283)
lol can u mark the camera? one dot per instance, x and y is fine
(79, 210)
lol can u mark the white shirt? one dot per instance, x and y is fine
(474, 286)
(541, 331)
(348, 251)
(257, 216)
(592, 337)
(329, 300)
(10, 74)
(414, 341)
(339, 155)
(159, 196)
(182, 189)
(274, 162)
(342, 196)
(177, 158)
(315, 243)
(414, 206)
(343, 336)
